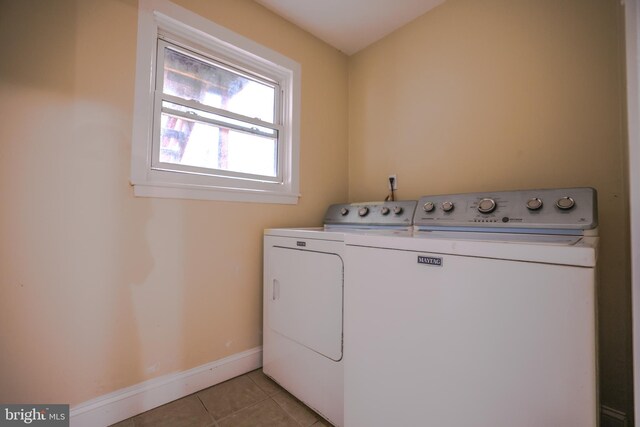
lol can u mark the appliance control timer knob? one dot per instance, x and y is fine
(447, 206)
(486, 206)
(363, 211)
(534, 204)
(344, 211)
(565, 203)
(429, 207)
(397, 210)
(385, 210)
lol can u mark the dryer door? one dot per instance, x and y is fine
(306, 298)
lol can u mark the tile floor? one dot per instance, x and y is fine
(250, 400)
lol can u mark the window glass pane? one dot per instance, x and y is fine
(251, 154)
(193, 143)
(194, 79)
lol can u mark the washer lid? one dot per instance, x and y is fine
(578, 251)
(546, 239)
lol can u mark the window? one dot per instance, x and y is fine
(216, 115)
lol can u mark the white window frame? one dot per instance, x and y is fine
(161, 18)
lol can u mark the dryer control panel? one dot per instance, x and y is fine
(525, 211)
(372, 214)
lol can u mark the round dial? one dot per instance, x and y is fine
(344, 211)
(363, 211)
(447, 206)
(385, 210)
(565, 203)
(397, 210)
(429, 207)
(487, 206)
(534, 204)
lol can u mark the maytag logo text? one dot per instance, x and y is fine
(429, 260)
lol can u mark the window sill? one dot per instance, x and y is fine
(195, 192)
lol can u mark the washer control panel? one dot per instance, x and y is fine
(547, 209)
(398, 213)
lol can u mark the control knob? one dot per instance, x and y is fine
(363, 211)
(447, 206)
(344, 211)
(429, 207)
(385, 210)
(565, 203)
(486, 206)
(397, 210)
(534, 204)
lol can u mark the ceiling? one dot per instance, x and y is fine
(350, 25)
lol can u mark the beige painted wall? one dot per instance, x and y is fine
(499, 95)
(100, 290)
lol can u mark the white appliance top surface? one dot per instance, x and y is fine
(334, 234)
(579, 251)
(555, 226)
(547, 239)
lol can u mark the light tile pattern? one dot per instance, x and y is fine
(250, 400)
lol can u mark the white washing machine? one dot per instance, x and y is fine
(303, 300)
(485, 317)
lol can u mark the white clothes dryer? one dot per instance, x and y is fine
(303, 300)
(485, 317)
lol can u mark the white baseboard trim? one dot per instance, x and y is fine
(128, 402)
